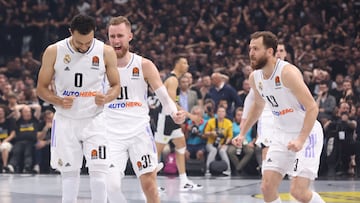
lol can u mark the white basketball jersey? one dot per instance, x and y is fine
(80, 75)
(287, 111)
(130, 108)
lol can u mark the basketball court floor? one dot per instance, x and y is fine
(17, 188)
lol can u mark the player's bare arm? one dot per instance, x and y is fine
(292, 79)
(152, 76)
(253, 115)
(112, 75)
(45, 77)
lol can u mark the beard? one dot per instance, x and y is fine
(122, 52)
(258, 64)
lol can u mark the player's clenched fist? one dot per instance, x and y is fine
(67, 102)
(238, 141)
(179, 116)
(295, 145)
(100, 99)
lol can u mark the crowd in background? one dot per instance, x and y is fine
(322, 38)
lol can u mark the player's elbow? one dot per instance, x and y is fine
(313, 109)
(39, 92)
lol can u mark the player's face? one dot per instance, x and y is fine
(119, 38)
(184, 64)
(280, 52)
(81, 43)
(257, 54)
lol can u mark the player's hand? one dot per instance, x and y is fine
(179, 117)
(238, 141)
(100, 99)
(295, 145)
(67, 102)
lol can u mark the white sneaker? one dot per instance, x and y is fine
(207, 174)
(159, 166)
(227, 173)
(9, 169)
(190, 186)
(36, 168)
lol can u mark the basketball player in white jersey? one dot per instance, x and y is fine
(79, 66)
(266, 120)
(127, 117)
(298, 137)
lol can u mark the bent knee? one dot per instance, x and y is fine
(148, 182)
(299, 194)
(267, 187)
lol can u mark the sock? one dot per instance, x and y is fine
(183, 178)
(98, 187)
(316, 198)
(70, 186)
(278, 200)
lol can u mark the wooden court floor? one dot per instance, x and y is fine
(17, 188)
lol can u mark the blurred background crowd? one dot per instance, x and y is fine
(321, 37)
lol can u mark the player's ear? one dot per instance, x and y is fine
(131, 35)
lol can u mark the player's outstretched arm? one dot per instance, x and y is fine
(152, 76)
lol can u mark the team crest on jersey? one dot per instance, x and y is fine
(139, 165)
(94, 154)
(135, 72)
(67, 59)
(277, 81)
(95, 61)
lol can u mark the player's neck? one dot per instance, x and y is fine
(177, 73)
(124, 61)
(268, 69)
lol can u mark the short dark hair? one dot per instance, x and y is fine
(177, 59)
(82, 23)
(269, 39)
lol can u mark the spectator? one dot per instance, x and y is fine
(187, 97)
(248, 148)
(42, 156)
(221, 90)
(219, 134)
(195, 140)
(245, 90)
(337, 91)
(326, 103)
(205, 85)
(7, 133)
(341, 143)
(27, 131)
(194, 87)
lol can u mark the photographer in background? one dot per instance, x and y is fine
(209, 108)
(195, 140)
(241, 156)
(340, 141)
(219, 133)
